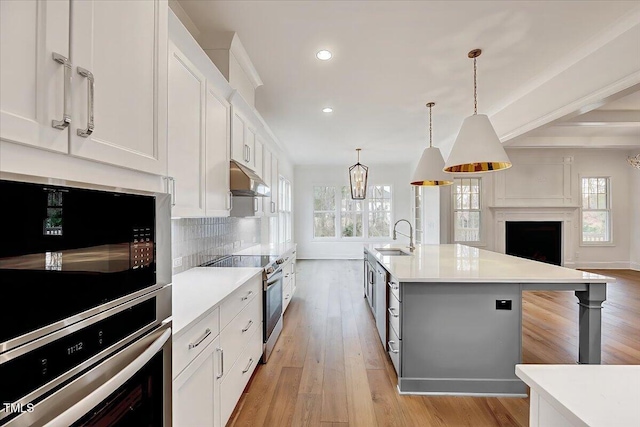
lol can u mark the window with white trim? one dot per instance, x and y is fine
(379, 198)
(284, 209)
(351, 215)
(417, 210)
(467, 212)
(596, 210)
(337, 215)
(324, 211)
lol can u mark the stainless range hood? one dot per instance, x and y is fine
(245, 182)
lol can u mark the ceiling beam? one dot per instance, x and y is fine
(609, 70)
(619, 142)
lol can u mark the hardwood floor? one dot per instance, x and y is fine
(330, 369)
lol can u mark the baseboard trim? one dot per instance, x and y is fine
(603, 265)
(635, 266)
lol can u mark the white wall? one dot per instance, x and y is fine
(543, 184)
(634, 198)
(307, 176)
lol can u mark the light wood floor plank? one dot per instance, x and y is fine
(330, 369)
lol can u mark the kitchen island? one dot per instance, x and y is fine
(450, 316)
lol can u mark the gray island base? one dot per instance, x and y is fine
(453, 316)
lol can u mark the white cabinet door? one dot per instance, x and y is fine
(32, 82)
(238, 147)
(266, 177)
(275, 185)
(196, 391)
(257, 155)
(124, 47)
(250, 142)
(218, 122)
(186, 131)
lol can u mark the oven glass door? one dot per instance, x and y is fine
(67, 250)
(273, 303)
(138, 402)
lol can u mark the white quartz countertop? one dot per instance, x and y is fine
(459, 264)
(197, 291)
(588, 395)
(267, 249)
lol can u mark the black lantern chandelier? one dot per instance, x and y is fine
(358, 179)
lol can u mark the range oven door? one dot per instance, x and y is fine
(130, 388)
(272, 303)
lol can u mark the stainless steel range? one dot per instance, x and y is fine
(272, 282)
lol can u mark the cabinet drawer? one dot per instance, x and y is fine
(194, 340)
(287, 294)
(239, 299)
(239, 375)
(236, 334)
(394, 312)
(394, 287)
(394, 347)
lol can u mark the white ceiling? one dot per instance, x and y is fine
(390, 58)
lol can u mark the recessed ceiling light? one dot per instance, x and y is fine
(324, 55)
(327, 110)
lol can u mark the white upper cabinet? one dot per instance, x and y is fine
(119, 55)
(266, 175)
(34, 69)
(238, 145)
(257, 158)
(218, 133)
(245, 148)
(186, 132)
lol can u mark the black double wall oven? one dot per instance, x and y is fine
(85, 329)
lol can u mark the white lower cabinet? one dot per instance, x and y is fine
(206, 391)
(196, 391)
(238, 376)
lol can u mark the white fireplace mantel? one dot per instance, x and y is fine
(567, 215)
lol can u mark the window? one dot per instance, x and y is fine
(379, 211)
(324, 212)
(337, 215)
(284, 209)
(417, 209)
(351, 215)
(596, 210)
(466, 210)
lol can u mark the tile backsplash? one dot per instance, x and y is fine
(198, 240)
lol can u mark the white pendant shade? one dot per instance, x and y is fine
(477, 148)
(429, 170)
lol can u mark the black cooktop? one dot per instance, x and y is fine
(242, 261)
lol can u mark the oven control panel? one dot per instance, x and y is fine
(141, 248)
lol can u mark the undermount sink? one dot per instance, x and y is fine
(392, 252)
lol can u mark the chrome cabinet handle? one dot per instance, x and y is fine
(207, 332)
(221, 363)
(391, 349)
(255, 204)
(246, 328)
(273, 207)
(287, 297)
(230, 201)
(248, 366)
(171, 188)
(249, 152)
(91, 87)
(244, 298)
(66, 112)
(392, 312)
(393, 286)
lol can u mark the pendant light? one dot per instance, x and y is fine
(358, 174)
(429, 171)
(477, 147)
